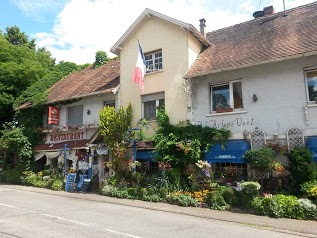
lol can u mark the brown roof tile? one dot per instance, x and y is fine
(87, 82)
(261, 40)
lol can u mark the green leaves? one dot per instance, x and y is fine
(184, 144)
(114, 124)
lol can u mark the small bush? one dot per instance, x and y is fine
(228, 195)
(284, 206)
(251, 188)
(133, 192)
(112, 191)
(302, 167)
(216, 201)
(10, 176)
(163, 192)
(308, 208)
(150, 191)
(309, 189)
(152, 198)
(260, 158)
(57, 185)
(181, 199)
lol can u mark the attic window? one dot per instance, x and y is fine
(154, 61)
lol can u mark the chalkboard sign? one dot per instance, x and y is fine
(81, 181)
(70, 183)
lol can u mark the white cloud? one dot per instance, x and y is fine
(84, 26)
(37, 9)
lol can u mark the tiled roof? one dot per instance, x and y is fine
(87, 82)
(261, 40)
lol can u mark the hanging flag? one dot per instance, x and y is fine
(139, 71)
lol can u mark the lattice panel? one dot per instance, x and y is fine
(295, 138)
(257, 139)
(256, 174)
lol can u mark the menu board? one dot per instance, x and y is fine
(70, 183)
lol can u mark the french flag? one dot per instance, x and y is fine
(139, 71)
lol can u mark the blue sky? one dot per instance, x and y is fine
(74, 30)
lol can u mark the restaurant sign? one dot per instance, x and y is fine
(66, 136)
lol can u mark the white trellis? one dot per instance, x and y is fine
(295, 138)
(257, 139)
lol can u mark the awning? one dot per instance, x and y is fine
(146, 155)
(311, 144)
(80, 144)
(232, 152)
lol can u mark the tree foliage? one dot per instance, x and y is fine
(15, 37)
(19, 69)
(15, 143)
(114, 124)
(101, 59)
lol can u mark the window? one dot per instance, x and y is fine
(311, 81)
(111, 103)
(226, 96)
(150, 103)
(153, 61)
(75, 115)
(231, 171)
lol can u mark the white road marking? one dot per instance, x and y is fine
(64, 219)
(6, 205)
(121, 233)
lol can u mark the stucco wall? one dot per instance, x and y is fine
(155, 34)
(93, 104)
(281, 92)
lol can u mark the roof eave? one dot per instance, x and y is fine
(305, 54)
(109, 90)
(117, 47)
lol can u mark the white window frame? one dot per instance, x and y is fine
(231, 103)
(152, 97)
(153, 61)
(308, 70)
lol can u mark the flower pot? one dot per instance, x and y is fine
(221, 110)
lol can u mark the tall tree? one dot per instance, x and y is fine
(15, 37)
(19, 68)
(101, 58)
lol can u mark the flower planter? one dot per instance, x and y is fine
(221, 110)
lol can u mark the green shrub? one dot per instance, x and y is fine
(57, 185)
(150, 191)
(216, 201)
(251, 188)
(308, 208)
(152, 198)
(163, 192)
(181, 200)
(112, 191)
(244, 197)
(278, 206)
(228, 195)
(260, 158)
(301, 166)
(10, 176)
(309, 189)
(133, 192)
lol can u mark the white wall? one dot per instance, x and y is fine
(281, 92)
(93, 104)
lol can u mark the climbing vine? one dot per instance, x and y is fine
(181, 145)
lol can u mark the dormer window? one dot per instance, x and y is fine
(153, 61)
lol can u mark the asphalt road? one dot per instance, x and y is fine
(28, 214)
